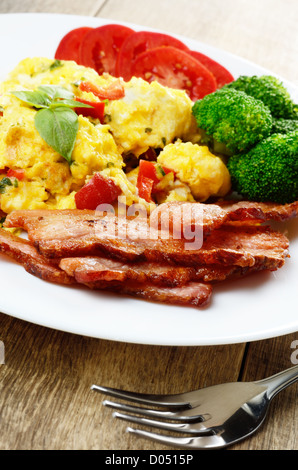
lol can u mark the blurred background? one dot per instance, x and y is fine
(252, 29)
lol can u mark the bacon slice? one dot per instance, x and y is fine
(95, 270)
(58, 234)
(180, 217)
(148, 260)
(23, 252)
(259, 211)
(192, 294)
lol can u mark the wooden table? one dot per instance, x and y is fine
(45, 398)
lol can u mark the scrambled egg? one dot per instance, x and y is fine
(204, 173)
(149, 116)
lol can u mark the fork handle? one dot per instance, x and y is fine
(278, 382)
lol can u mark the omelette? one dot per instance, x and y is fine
(148, 117)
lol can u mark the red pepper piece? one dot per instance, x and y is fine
(99, 190)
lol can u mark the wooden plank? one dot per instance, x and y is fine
(45, 397)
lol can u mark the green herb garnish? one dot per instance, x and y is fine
(55, 120)
(56, 64)
(160, 170)
(4, 183)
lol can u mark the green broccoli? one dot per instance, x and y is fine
(270, 90)
(231, 121)
(269, 171)
(284, 126)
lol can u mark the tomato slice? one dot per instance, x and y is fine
(221, 74)
(18, 173)
(176, 69)
(139, 42)
(96, 112)
(99, 190)
(114, 91)
(99, 47)
(68, 48)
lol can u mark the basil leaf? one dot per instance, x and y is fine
(36, 98)
(56, 91)
(69, 104)
(58, 127)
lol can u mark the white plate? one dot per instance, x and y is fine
(260, 307)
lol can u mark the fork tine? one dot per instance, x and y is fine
(139, 410)
(168, 415)
(146, 399)
(182, 427)
(202, 442)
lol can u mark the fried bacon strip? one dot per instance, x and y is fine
(192, 294)
(181, 217)
(153, 258)
(95, 270)
(259, 211)
(23, 252)
(59, 234)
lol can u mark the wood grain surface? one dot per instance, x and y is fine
(45, 397)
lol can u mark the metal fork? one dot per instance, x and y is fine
(210, 418)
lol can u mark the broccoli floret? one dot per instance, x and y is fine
(284, 126)
(232, 120)
(269, 171)
(270, 90)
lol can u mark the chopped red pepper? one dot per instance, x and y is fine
(99, 190)
(96, 112)
(17, 173)
(145, 186)
(148, 171)
(114, 91)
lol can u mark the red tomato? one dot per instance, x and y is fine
(17, 173)
(221, 74)
(114, 91)
(99, 190)
(176, 69)
(139, 42)
(148, 169)
(148, 177)
(99, 47)
(145, 186)
(96, 112)
(68, 48)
